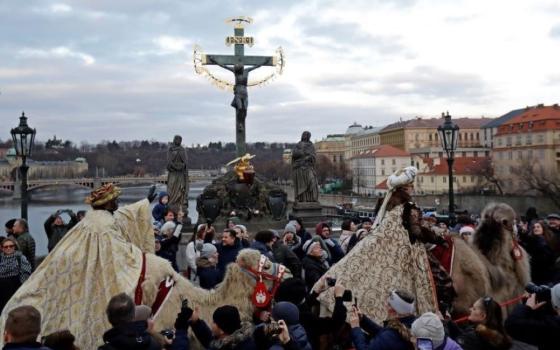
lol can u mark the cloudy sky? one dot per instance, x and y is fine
(105, 69)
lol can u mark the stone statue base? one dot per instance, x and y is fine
(311, 213)
(255, 201)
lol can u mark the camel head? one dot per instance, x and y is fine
(494, 234)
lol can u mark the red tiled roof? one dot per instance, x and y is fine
(461, 166)
(537, 118)
(382, 151)
(433, 123)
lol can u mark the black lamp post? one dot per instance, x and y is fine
(23, 137)
(448, 134)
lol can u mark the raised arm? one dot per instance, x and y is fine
(213, 61)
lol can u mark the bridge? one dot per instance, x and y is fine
(94, 182)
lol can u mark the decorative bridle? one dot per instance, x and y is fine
(262, 296)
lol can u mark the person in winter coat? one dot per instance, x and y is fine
(289, 313)
(532, 323)
(192, 251)
(395, 334)
(430, 326)
(486, 330)
(348, 228)
(263, 243)
(227, 250)
(242, 235)
(323, 230)
(291, 239)
(543, 258)
(227, 332)
(161, 207)
(360, 234)
(126, 333)
(56, 229)
(22, 328)
(303, 235)
(285, 256)
(25, 241)
(61, 340)
(169, 243)
(14, 270)
(207, 266)
(314, 263)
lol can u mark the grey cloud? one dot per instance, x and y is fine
(555, 31)
(431, 82)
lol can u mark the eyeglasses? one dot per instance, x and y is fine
(8, 246)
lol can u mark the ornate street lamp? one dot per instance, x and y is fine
(23, 137)
(449, 135)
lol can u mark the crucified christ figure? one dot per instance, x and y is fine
(240, 96)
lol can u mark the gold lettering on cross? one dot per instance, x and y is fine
(239, 40)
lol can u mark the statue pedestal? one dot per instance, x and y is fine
(311, 213)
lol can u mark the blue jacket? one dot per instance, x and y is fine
(181, 341)
(208, 274)
(25, 346)
(264, 249)
(159, 209)
(227, 255)
(384, 338)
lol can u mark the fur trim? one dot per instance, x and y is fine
(493, 337)
(233, 340)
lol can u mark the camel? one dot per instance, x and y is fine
(491, 265)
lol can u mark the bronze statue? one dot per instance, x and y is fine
(306, 188)
(177, 175)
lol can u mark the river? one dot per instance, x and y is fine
(44, 202)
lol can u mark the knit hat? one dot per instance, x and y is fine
(142, 312)
(290, 228)
(207, 250)
(309, 245)
(275, 233)
(468, 230)
(429, 326)
(553, 216)
(286, 311)
(168, 226)
(227, 318)
(555, 296)
(243, 228)
(400, 305)
(292, 290)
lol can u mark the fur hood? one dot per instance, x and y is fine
(493, 337)
(235, 339)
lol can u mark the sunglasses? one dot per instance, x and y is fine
(8, 246)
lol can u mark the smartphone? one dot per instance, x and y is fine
(356, 302)
(424, 344)
(347, 296)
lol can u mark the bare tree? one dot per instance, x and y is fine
(486, 170)
(534, 177)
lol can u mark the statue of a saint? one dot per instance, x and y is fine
(177, 175)
(306, 188)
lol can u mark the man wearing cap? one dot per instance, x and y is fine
(429, 326)
(534, 323)
(100, 256)
(400, 308)
(226, 332)
(206, 266)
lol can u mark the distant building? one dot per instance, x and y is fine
(468, 175)
(331, 147)
(490, 129)
(419, 136)
(371, 167)
(42, 169)
(530, 139)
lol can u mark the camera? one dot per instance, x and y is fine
(272, 328)
(168, 333)
(542, 292)
(331, 281)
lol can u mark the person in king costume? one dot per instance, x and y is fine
(72, 286)
(391, 258)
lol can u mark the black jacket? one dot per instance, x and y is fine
(56, 232)
(534, 327)
(480, 337)
(241, 339)
(132, 336)
(285, 256)
(208, 274)
(314, 269)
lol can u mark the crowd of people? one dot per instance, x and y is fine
(294, 320)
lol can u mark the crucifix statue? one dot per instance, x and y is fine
(237, 65)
